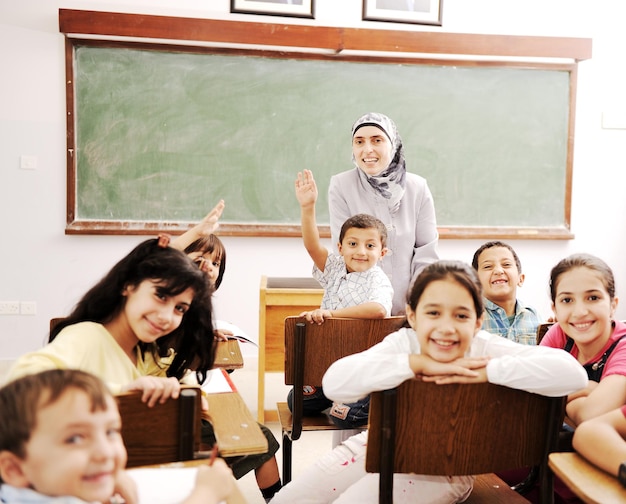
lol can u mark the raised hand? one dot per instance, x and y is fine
(205, 227)
(306, 189)
(210, 223)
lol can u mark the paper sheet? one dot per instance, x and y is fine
(169, 485)
(237, 332)
(217, 381)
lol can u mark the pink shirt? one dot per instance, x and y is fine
(615, 364)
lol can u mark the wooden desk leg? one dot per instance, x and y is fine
(261, 372)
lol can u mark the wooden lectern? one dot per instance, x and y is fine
(280, 298)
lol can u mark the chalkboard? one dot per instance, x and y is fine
(161, 135)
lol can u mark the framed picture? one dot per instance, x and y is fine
(294, 8)
(403, 11)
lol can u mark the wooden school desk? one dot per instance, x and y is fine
(228, 355)
(591, 484)
(236, 430)
(280, 298)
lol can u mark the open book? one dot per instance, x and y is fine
(238, 334)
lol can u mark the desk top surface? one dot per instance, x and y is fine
(589, 483)
(290, 283)
(236, 430)
(228, 355)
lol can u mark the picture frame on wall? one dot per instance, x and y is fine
(292, 8)
(428, 12)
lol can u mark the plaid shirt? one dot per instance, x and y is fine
(523, 329)
(343, 289)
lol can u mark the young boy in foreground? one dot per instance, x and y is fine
(61, 443)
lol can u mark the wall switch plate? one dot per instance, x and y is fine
(9, 307)
(28, 308)
(614, 119)
(28, 162)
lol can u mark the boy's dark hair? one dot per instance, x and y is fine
(21, 400)
(492, 244)
(209, 245)
(364, 221)
(192, 341)
(583, 261)
(442, 270)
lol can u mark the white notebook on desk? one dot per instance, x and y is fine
(217, 381)
(169, 485)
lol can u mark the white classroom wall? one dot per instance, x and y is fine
(41, 264)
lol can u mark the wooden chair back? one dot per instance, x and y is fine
(449, 430)
(542, 329)
(168, 432)
(54, 321)
(323, 344)
(309, 350)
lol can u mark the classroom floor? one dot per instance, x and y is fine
(305, 451)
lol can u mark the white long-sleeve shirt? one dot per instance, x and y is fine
(386, 365)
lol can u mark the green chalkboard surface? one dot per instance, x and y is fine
(162, 135)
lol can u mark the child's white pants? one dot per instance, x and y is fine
(340, 477)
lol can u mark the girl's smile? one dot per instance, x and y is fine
(444, 343)
(156, 327)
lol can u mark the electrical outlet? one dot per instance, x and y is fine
(28, 308)
(9, 307)
(28, 162)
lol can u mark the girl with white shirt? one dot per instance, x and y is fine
(444, 344)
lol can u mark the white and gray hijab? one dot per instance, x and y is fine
(390, 182)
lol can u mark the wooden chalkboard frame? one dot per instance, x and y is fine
(312, 43)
